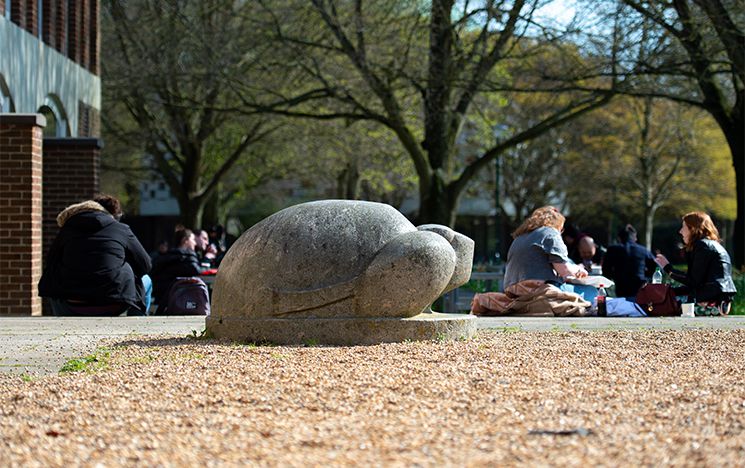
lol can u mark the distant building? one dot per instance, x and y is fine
(49, 63)
(156, 199)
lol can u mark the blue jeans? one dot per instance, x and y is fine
(148, 297)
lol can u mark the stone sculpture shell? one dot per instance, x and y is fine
(338, 258)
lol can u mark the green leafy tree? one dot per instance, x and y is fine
(166, 76)
(640, 157)
(688, 51)
(418, 69)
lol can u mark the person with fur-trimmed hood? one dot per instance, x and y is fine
(95, 265)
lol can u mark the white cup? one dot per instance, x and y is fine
(687, 310)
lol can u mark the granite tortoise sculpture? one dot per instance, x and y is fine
(339, 258)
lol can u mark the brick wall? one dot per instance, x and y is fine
(20, 213)
(18, 13)
(95, 37)
(73, 31)
(71, 171)
(32, 17)
(85, 22)
(49, 22)
(73, 28)
(60, 28)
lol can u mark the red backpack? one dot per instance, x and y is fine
(188, 296)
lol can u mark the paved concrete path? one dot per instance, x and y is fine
(41, 345)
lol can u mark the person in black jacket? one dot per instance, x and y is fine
(709, 277)
(181, 261)
(628, 264)
(95, 265)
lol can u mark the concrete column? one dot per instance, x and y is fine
(20, 213)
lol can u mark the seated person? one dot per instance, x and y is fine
(589, 253)
(95, 265)
(206, 252)
(628, 264)
(537, 265)
(708, 280)
(180, 261)
(538, 251)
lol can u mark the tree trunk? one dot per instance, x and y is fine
(736, 140)
(437, 204)
(649, 213)
(348, 181)
(210, 213)
(191, 212)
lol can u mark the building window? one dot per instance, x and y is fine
(50, 129)
(4, 103)
(53, 111)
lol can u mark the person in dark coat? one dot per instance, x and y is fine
(708, 280)
(181, 261)
(95, 265)
(628, 264)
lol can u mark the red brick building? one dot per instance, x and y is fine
(50, 101)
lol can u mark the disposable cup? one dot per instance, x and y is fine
(687, 310)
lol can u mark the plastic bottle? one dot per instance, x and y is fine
(657, 276)
(602, 310)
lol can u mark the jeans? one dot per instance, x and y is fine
(148, 296)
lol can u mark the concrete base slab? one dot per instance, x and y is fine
(344, 331)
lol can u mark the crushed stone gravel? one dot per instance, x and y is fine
(608, 398)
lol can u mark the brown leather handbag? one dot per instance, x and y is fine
(658, 300)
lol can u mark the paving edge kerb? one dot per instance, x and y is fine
(344, 331)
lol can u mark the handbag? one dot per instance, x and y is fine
(658, 300)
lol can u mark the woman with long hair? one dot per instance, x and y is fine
(708, 280)
(538, 251)
(537, 264)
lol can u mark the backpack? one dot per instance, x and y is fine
(188, 296)
(658, 300)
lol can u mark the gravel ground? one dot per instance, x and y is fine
(503, 398)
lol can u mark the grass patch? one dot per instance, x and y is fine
(146, 359)
(203, 335)
(91, 363)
